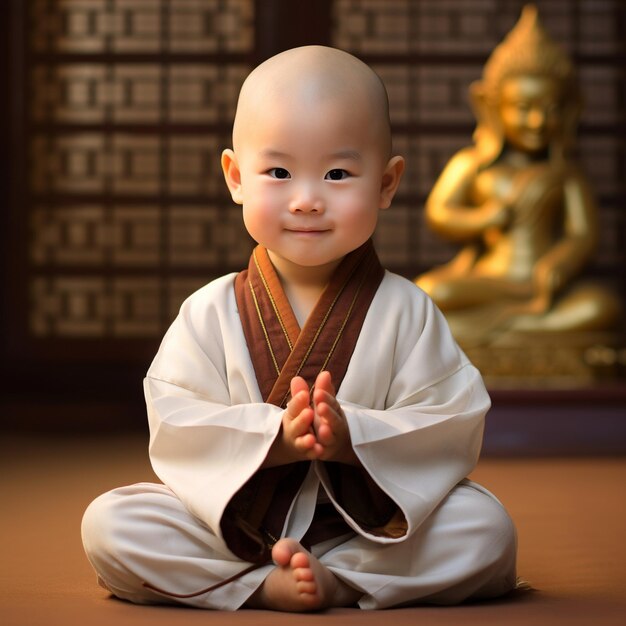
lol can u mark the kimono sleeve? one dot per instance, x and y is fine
(415, 411)
(209, 429)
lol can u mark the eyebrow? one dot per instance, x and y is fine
(347, 154)
(268, 152)
(353, 155)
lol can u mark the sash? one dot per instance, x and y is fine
(279, 349)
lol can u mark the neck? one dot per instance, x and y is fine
(317, 276)
(519, 158)
(302, 285)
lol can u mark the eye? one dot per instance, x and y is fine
(336, 174)
(279, 172)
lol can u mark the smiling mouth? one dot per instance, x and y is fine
(307, 231)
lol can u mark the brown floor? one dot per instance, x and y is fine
(570, 514)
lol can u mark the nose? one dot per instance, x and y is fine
(306, 200)
(536, 118)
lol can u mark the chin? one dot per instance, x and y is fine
(534, 144)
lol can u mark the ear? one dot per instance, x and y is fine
(478, 98)
(232, 175)
(390, 181)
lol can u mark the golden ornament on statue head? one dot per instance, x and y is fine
(525, 217)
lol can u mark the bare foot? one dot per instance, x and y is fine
(300, 583)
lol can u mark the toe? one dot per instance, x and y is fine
(283, 551)
(304, 574)
(306, 587)
(300, 560)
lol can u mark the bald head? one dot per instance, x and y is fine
(312, 76)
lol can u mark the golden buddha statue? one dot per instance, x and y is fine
(520, 206)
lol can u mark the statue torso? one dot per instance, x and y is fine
(534, 195)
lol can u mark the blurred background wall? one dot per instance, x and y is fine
(115, 113)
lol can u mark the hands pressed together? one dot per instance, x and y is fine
(314, 426)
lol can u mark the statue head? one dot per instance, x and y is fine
(528, 70)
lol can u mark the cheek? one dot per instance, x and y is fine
(361, 196)
(359, 212)
(259, 200)
(511, 121)
(259, 211)
(254, 219)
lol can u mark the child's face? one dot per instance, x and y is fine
(311, 180)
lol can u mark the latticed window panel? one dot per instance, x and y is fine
(457, 27)
(428, 93)
(130, 105)
(426, 155)
(97, 235)
(123, 163)
(403, 26)
(600, 86)
(201, 237)
(135, 94)
(134, 26)
(193, 165)
(403, 241)
(94, 306)
(602, 157)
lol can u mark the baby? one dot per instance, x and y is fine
(311, 418)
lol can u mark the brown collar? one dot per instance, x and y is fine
(278, 348)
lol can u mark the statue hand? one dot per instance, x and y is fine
(497, 214)
(548, 280)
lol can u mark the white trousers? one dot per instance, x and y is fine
(143, 534)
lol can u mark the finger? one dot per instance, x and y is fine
(298, 403)
(325, 383)
(310, 448)
(328, 410)
(300, 424)
(321, 396)
(297, 385)
(325, 435)
(311, 452)
(327, 423)
(305, 443)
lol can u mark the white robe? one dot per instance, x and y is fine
(415, 408)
